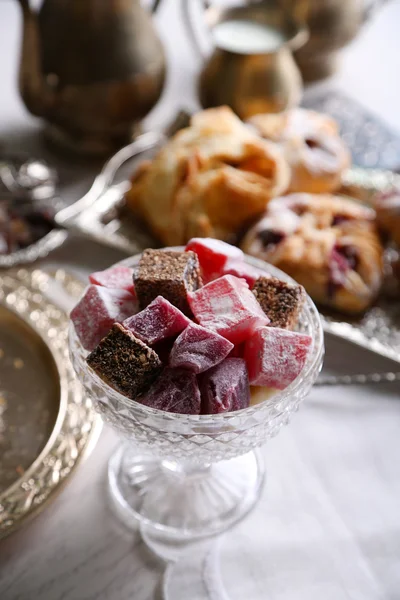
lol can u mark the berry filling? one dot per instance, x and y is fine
(342, 259)
(311, 143)
(339, 219)
(270, 238)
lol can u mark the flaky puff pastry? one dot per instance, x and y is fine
(210, 179)
(312, 146)
(326, 243)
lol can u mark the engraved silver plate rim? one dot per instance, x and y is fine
(40, 249)
(77, 426)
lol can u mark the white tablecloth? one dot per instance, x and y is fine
(328, 524)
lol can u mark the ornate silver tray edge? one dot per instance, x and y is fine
(77, 426)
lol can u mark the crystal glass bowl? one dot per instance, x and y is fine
(190, 476)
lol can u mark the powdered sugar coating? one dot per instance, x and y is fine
(98, 310)
(118, 277)
(213, 255)
(239, 268)
(199, 349)
(158, 321)
(275, 357)
(225, 387)
(176, 391)
(228, 307)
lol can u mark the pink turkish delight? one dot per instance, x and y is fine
(228, 307)
(275, 357)
(158, 321)
(176, 391)
(98, 310)
(212, 255)
(118, 277)
(163, 349)
(239, 268)
(237, 351)
(199, 349)
(225, 387)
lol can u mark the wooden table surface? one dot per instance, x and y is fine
(328, 525)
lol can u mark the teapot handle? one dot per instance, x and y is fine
(208, 10)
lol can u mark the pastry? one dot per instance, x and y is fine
(388, 214)
(210, 180)
(328, 244)
(312, 146)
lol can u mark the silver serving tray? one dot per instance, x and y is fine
(100, 215)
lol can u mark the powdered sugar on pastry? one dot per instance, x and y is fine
(334, 250)
(312, 146)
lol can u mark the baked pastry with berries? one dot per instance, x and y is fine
(387, 208)
(312, 146)
(210, 180)
(328, 244)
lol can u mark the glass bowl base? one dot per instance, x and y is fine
(180, 502)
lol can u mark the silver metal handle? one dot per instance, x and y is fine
(144, 142)
(65, 217)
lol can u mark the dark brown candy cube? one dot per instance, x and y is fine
(281, 301)
(125, 363)
(169, 274)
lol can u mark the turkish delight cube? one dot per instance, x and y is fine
(275, 357)
(239, 268)
(237, 351)
(228, 307)
(225, 387)
(282, 302)
(120, 277)
(98, 310)
(158, 321)
(212, 255)
(176, 391)
(125, 363)
(169, 274)
(198, 349)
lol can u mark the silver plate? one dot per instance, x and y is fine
(47, 425)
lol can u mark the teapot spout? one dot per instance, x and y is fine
(38, 96)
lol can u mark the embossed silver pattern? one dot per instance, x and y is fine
(77, 426)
